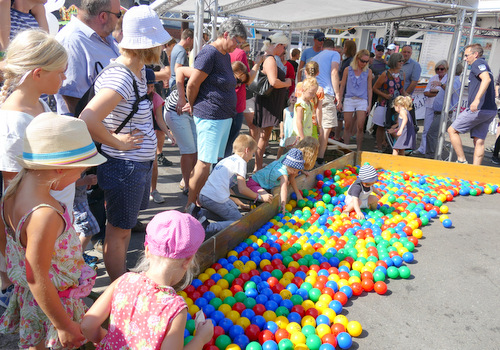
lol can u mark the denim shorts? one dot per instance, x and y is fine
(126, 185)
(184, 130)
(476, 122)
(212, 138)
(227, 211)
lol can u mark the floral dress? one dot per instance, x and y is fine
(68, 272)
(141, 313)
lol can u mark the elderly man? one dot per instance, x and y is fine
(90, 45)
(328, 61)
(482, 108)
(309, 53)
(411, 69)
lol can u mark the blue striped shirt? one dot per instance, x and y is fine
(20, 21)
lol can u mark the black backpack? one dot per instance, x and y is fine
(90, 93)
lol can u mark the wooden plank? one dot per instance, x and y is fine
(431, 167)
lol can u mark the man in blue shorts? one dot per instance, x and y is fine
(482, 108)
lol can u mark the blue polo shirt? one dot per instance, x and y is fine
(307, 54)
(325, 59)
(412, 72)
(85, 47)
(487, 102)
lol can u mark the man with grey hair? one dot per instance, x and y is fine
(90, 46)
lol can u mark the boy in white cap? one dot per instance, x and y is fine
(359, 193)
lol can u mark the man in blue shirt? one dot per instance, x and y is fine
(411, 69)
(179, 56)
(87, 39)
(328, 61)
(482, 108)
(309, 53)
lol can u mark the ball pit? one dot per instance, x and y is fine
(286, 285)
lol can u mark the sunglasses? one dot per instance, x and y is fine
(439, 69)
(238, 81)
(363, 61)
(117, 14)
(401, 61)
(467, 54)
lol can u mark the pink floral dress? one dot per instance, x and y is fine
(68, 272)
(141, 313)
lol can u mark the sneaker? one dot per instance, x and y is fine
(5, 296)
(90, 259)
(139, 227)
(204, 222)
(98, 246)
(495, 160)
(490, 149)
(193, 210)
(156, 197)
(164, 161)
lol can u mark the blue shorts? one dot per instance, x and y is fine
(184, 130)
(212, 138)
(126, 185)
(476, 122)
(85, 223)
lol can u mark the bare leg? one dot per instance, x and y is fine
(478, 151)
(84, 240)
(160, 136)
(281, 150)
(197, 181)
(360, 128)
(265, 133)
(348, 120)
(338, 130)
(116, 244)
(379, 136)
(188, 162)
(323, 143)
(456, 142)
(253, 129)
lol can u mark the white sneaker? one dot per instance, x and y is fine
(156, 197)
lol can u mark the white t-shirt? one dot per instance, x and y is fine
(430, 100)
(12, 128)
(118, 79)
(223, 177)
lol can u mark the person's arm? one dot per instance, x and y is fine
(161, 123)
(299, 70)
(343, 84)
(404, 121)
(485, 81)
(4, 24)
(271, 70)
(299, 121)
(244, 190)
(163, 74)
(193, 86)
(357, 208)
(99, 108)
(180, 76)
(411, 87)
(7, 178)
(319, 117)
(293, 183)
(335, 81)
(99, 312)
(378, 84)
(370, 91)
(174, 339)
(38, 11)
(283, 192)
(43, 228)
(282, 126)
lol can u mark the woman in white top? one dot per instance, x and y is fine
(126, 176)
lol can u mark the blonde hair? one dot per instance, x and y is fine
(361, 53)
(312, 69)
(30, 49)
(309, 147)
(147, 56)
(14, 184)
(403, 101)
(244, 141)
(309, 83)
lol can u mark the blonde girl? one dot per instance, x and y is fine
(303, 111)
(405, 130)
(311, 70)
(144, 303)
(357, 85)
(34, 65)
(43, 251)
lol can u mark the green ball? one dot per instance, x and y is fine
(188, 339)
(287, 260)
(391, 199)
(262, 250)
(301, 203)
(310, 204)
(320, 210)
(216, 303)
(425, 221)
(303, 261)
(277, 273)
(409, 245)
(250, 285)
(378, 276)
(404, 272)
(235, 272)
(282, 311)
(229, 277)
(253, 346)
(249, 303)
(305, 193)
(313, 262)
(473, 192)
(190, 326)
(308, 331)
(327, 198)
(284, 344)
(313, 342)
(240, 297)
(307, 286)
(392, 272)
(296, 299)
(222, 342)
(230, 301)
(314, 294)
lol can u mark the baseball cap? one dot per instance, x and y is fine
(319, 36)
(174, 235)
(367, 173)
(294, 159)
(380, 48)
(391, 47)
(150, 76)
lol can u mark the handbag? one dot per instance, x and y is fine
(261, 86)
(369, 122)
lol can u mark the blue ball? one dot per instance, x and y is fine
(322, 319)
(272, 326)
(251, 293)
(209, 295)
(326, 347)
(256, 279)
(277, 298)
(333, 285)
(259, 321)
(303, 293)
(271, 305)
(208, 310)
(408, 257)
(261, 299)
(217, 316)
(270, 345)
(347, 291)
(248, 313)
(241, 340)
(267, 292)
(396, 259)
(235, 330)
(186, 333)
(226, 324)
(292, 287)
(287, 303)
(336, 306)
(196, 283)
(344, 340)
(294, 317)
(447, 223)
(200, 302)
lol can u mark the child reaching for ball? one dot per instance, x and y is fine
(359, 193)
(144, 310)
(405, 131)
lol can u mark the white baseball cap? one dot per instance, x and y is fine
(142, 29)
(391, 47)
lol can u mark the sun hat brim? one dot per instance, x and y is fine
(92, 161)
(139, 43)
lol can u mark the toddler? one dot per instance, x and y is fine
(286, 126)
(303, 110)
(405, 130)
(359, 193)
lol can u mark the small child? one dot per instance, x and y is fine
(230, 172)
(286, 126)
(311, 70)
(303, 110)
(309, 148)
(161, 130)
(359, 193)
(405, 130)
(280, 172)
(144, 310)
(44, 255)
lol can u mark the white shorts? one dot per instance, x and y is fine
(352, 104)
(250, 106)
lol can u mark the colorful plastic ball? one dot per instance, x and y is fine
(253, 346)
(323, 319)
(252, 332)
(285, 344)
(404, 272)
(447, 223)
(222, 341)
(242, 341)
(393, 272)
(308, 321)
(235, 330)
(308, 330)
(322, 330)
(326, 346)
(313, 342)
(354, 328)
(380, 287)
(265, 335)
(281, 334)
(408, 257)
(298, 338)
(344, 340)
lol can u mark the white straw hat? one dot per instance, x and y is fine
(142, 29)
(54, 141)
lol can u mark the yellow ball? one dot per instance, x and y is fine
(216, 290)
(269, 315)
(488, 190)
(225, 293)
(233, 347)
(354, 279)
(243, 322)
(301, 346)
(253, 238)
(322, 330)
(293, 327)
(286, 294)
(341, 319)
(330, 314)
(233, 316)
(264, 262)
(325, 298)
(443, 217)
(308, 321)
(345, 263)
(298, 338)
(417, 233)
(354, 328)
(281, 322)
(310, 279)
(225, 309)
(288, 207)
(188, 301)
(239, 264)
(193, 309)
(182, 294)
(320, 306)
(342, 282)
(232, 253)
(223, 283)
(444, 208)
(203, 277)
(210, 271)
(222, 272)
(307, 304)
(334, 277)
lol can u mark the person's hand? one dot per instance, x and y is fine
(181, 102)
(288, 82)
(267, 198)
(71, 336)
(339, 106)
(473, 106)
(171, 137)
(130, 141)
(360, 215)
(282, 207)
(90, 180)
(368, 110)
(306, 173)
(388, 96)
(205, 331)
(299, 196)
(399, 132)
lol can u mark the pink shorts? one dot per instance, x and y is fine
(253, 185)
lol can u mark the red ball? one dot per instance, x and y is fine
(265, 336)
(367, 284)
(202, 289)
(341, 297)
(189, 289)
(238, 282)
(195, 295)
(245, 276)
(367, 275)
(313, 312)
(297, 281)
(337, 328)
(281, 334)
(272, 281)
(357, 288)
(240, 307)
(218, 266)
(218, 330)
(328, 291)
(259, 309)
(254, 273)
(276, 262)
(380, 287)
(299, 309)
(252, 332)
(209, 283)
(210, 347)
(277, 288)
(329, 339)
(236, 288)
(268, 268)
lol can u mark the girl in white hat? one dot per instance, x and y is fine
(43, 251)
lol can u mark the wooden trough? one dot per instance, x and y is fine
(217, 246)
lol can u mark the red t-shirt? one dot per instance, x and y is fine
(290, 73)
(241, 91)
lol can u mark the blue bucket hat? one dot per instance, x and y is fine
(294, 159)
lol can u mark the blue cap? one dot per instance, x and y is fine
(150, 76)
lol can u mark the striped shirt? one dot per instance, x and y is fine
(20, 21)
(118, 79)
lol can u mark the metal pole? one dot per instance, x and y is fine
(449, 85)
(215, 14)
(198, 27)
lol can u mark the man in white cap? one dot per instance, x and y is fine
(390, 50)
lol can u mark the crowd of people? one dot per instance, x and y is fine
(123, 86)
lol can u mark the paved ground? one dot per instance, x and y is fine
(450, 302)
